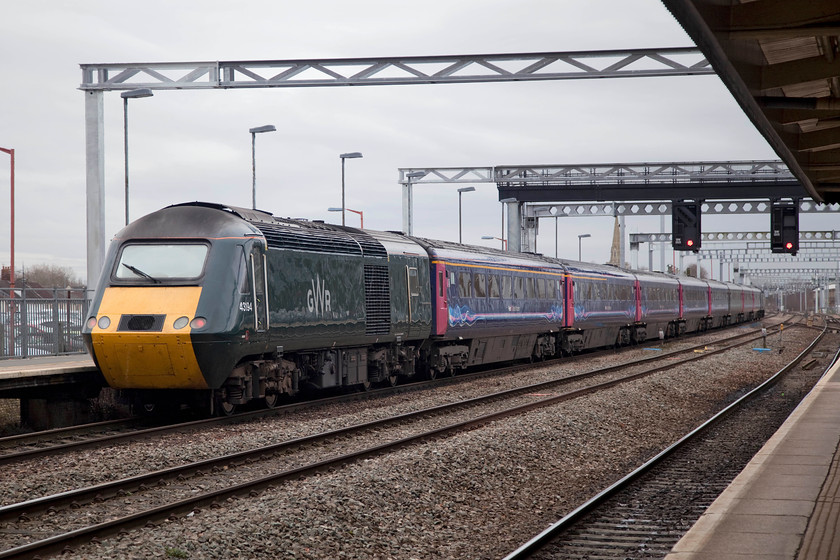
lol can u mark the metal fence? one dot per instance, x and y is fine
(42, 322)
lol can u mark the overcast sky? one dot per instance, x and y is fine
(195, 145)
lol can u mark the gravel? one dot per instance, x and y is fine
(477, 494)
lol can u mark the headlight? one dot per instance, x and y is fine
(104, 322)
(181, 322)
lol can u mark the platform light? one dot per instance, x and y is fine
(348, 155)
(253, 132)
(460, 192)
(126, 95)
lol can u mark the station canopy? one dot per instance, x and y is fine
(780, 59)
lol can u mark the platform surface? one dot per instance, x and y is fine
(785, 505)
(45, 365)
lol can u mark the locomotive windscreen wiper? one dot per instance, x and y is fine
(139, 272)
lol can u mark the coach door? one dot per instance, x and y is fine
(258, 282)
(440, 307)
(414, 312)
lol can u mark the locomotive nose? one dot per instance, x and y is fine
(141, 341)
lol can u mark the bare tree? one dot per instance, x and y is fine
(52, 276)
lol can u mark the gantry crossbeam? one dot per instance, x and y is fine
(736, 236)
(687, 61)
(661, 208)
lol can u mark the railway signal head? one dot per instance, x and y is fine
(784, 227)
(685, 226)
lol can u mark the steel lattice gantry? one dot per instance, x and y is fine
(99, 78)
(643, 189)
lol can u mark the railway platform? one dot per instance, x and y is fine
(785, 505)
(53, 390)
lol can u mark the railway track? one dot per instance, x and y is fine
(155, 496)
(645, 513)
(45, 443)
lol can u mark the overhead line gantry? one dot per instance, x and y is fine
(572, 65)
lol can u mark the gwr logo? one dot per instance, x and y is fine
(318, 297)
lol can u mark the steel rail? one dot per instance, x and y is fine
(7, 458)
(546, 536)
(214, 497)
(112, 488)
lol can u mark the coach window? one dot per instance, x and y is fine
(540, 288)
(480, 285)
(529, 288)
(413, 282)
(507, 287)
(493, 286)
(464, 284)
(519, 287)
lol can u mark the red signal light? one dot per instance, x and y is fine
(788, 245)
(690, 243)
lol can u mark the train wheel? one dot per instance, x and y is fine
(147, 409)
(271, 400)
(392, 380)
(222, 407)
(365, 385)
(432, 374)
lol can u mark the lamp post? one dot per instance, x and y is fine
(504, 243)
(581, 236)
(11, 153)
(254, 131)
(348, 155)
(460, 192)
(126, 95)
(359, 212)
(408, 201)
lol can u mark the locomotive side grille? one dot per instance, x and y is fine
(370, 246)
(377, 300)
(153, 323)
(320, 239)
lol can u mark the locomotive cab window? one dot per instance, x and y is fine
(158, 262)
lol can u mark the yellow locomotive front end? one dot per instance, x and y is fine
(141, 337)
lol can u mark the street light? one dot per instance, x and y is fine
(126, 95)
(504, 242)
(581, 236)
(348, 155)
(359, 212)
(254, 131)
(408, 200)
(460, 192)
